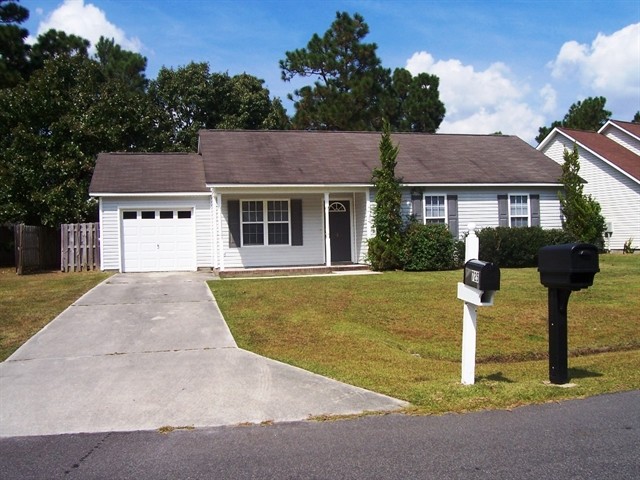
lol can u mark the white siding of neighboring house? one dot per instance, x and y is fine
(311, 252)
(617, 194)
(110, 225)
(623, 138)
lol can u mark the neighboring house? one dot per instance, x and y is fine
(296, 198)
(610, 166)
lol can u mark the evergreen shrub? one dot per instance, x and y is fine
(429, 247)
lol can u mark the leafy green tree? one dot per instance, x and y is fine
(352, 90)
(636, 117)
(588, 114)
(191, 98)
(385, 249)
(582, 217)
(14, 52)
(51, 129)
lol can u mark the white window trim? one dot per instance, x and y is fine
(519, 216)
(265, 222)
(424, 206)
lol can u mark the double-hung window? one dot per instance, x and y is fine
(435, 210)
(261, 229)
(519, 210)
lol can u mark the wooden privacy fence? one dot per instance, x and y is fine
(80, 247)
(36, 248)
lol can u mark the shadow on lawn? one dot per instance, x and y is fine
(575, 373)
(495, 377)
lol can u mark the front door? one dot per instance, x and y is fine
(340, 230)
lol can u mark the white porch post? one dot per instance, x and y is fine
(327, 233)
(220, 240)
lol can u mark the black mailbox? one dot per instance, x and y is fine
(484, 276)
(570, 266)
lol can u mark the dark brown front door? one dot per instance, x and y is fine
(340, 230)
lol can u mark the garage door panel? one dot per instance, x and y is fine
(162, 243)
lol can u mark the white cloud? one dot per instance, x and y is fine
(87, 21)
(481, 101)
(610, 65)
(549, 98)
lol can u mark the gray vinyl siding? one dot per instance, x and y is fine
(479, 205)
(310, 253)
(360, 215)
(110, 226)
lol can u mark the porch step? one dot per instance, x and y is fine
(289, 271)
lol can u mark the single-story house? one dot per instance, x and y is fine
(610, 166)
(250, 199)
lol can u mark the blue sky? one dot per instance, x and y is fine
(503, 65)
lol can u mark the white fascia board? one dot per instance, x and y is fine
(481, 185)
(548, 138)
(597, 155)
(314, 188)
(156, 194)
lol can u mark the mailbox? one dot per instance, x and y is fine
(570, 266)
(484, 276)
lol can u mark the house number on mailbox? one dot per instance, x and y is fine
(475, 277)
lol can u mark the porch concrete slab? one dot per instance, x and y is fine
(144, 351)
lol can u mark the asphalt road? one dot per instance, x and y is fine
(595, 438)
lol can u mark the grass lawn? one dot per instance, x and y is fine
(400, 333)
(29, 302)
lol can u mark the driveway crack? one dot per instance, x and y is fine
(82, 459)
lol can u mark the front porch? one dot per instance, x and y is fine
(277, 229)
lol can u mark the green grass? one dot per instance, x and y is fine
(400, 333)
(29, 302)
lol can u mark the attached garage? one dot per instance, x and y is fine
(158, 240)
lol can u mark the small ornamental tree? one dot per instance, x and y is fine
(385, 248)
(581, 213)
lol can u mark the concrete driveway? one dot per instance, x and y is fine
(143, 351)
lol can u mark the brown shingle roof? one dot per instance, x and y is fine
(148, 173)
(302, 157)
(615, 153)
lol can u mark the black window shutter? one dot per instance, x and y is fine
(452, 214)
(416, 205)
(296, 222)
(503, 210)
(535, 210)
(233, 219)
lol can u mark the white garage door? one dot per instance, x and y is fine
(158, 240)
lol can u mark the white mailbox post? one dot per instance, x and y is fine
(481, 280)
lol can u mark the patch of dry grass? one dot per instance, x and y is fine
(29, 302)
(400, 333)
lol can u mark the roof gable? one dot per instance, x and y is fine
(630, 128)
(607, 149)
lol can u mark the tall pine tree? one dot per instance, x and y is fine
(385, 247)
